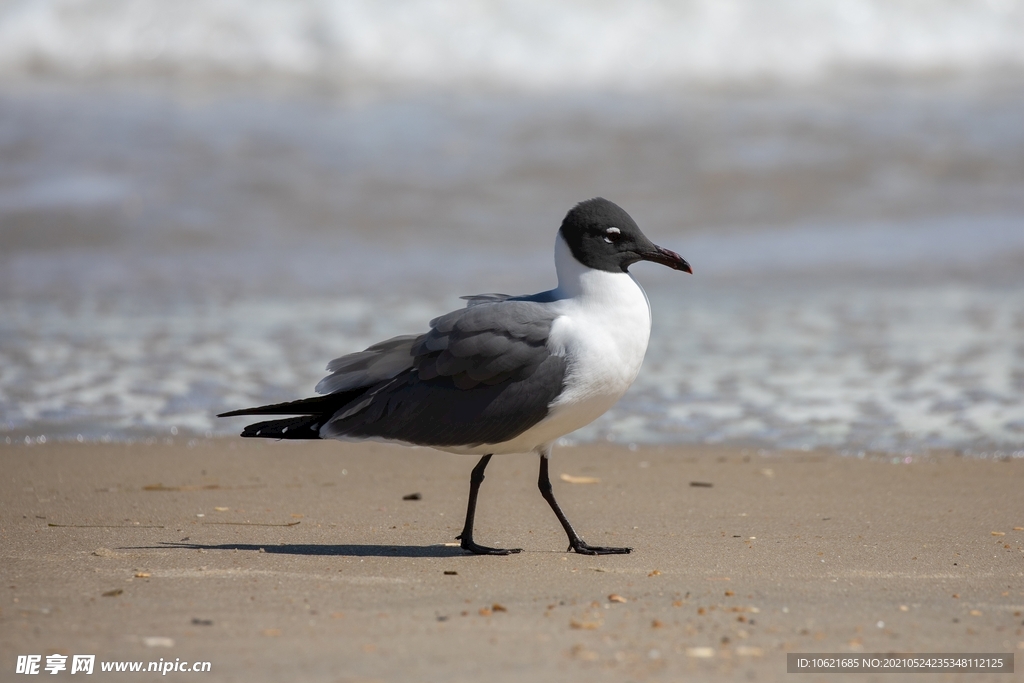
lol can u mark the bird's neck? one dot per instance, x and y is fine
(577, 281)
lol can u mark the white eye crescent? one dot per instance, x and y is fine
(610, 233)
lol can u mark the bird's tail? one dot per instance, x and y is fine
(312, 414)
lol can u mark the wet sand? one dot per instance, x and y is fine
(303, 562)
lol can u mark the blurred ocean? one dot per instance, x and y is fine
(202, 203)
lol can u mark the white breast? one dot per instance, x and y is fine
(603, 336)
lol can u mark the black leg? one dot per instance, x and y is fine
(575, 542)
(466, 536)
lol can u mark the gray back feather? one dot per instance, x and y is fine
(379, 363)
(477, 299)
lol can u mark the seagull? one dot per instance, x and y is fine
(505, 374)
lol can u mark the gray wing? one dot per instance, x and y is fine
(482, 374)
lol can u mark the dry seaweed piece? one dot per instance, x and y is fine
(251, 523)
(161, 487)
(585, 625)
(571, 479)
(107, 525)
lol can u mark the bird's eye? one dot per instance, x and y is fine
(612, 234)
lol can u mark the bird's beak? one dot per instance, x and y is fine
(666, 257)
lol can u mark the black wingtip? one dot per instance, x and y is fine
(304, 427)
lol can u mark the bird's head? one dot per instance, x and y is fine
(603, 236)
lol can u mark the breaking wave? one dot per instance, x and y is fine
(529, 44)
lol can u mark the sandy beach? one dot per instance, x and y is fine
(204, 202)
(305, 562)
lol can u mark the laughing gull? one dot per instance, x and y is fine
(506, 374)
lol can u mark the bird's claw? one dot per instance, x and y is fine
(468, 545)
(583, 549)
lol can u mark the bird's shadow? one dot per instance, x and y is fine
(348, 550)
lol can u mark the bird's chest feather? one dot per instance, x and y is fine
(603, 335)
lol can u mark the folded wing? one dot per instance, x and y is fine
(482, 374)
